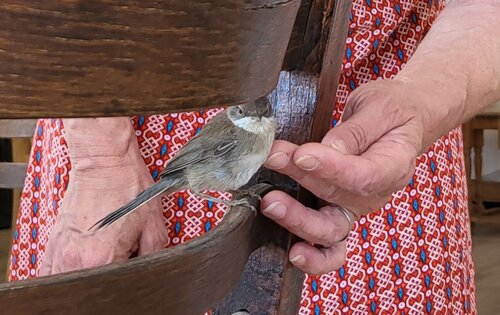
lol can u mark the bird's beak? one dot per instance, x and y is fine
(267, 111)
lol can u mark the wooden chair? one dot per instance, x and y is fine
(483, 188)
(12, 174)
(114, 58)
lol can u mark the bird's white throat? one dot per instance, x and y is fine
(254, 125)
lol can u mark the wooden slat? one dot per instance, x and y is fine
(12, 175)
(117, 57)
(186, 279)
(303, 101)
(17, 128)
(294, 50)
(20, 153)
(487, 190)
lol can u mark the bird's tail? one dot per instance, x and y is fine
(145, 196)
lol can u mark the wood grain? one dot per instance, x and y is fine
(17, 128)
(330, 68)
(268, 273)
(191, 277)
(12, 175)
(303, 103)
(112, 58)
(5, 245)
(294, 49)
(186, 279)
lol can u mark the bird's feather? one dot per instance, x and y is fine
(148, 194)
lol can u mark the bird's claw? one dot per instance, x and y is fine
(250, 193)
(244, 202)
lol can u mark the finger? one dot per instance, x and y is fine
(365, 124)
(154, 236)
(324, 227)
(317, 261)
(281, 160)
(67, 258)
(351, 173)
(384, 166)
(280, 155)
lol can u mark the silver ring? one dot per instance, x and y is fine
(346, 213)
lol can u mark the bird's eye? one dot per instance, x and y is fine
(240, 111)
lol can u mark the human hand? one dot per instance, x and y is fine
(99, 184)
(357, 165)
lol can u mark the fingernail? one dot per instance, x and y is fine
(277, 160)
(307, 162)
(298, 260)
(339, 146)
(275, 210)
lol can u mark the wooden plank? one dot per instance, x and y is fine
(294, 49)
(21, 149)
(117, 57)
(303, 103)
(186, 279)
(17, 128)
(487, 190)
(485, 122)
(493, 218)
(316, 34)
(338, 23)
(262, 284)
(5, 244)
(12, 175)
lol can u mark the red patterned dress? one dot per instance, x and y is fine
(411, 257)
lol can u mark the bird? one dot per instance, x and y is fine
(223, 156)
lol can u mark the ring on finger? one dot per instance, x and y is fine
(349, 219)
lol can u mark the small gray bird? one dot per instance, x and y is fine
(223, 156)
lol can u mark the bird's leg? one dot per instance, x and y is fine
(230, 203)
(249, 192)
(242, 200)
(214, 199)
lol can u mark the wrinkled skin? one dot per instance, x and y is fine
(358, 165)
(386, 125)
(97, 183)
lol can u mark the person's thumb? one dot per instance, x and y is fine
(365, 125)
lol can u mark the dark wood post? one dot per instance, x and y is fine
(304, 100)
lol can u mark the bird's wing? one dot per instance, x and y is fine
(196, 151)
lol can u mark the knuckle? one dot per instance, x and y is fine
(70, 257)
(331, 231)
(395, 111)
(370, 185)
(296, 224)
(359, 135)
(331, 240)
(329, 193)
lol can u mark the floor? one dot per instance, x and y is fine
(486, 251)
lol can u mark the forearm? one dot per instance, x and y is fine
(457, 65)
